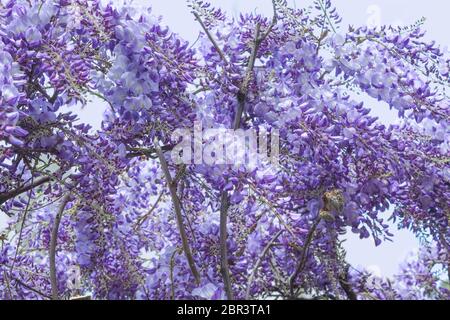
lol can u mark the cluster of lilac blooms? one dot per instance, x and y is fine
(107, 214)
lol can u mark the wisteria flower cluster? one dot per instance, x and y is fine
(109, 215)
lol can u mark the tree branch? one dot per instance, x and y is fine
(172, 265)
(258, 262)
(302, 263)
(177, 207)
(210, 37)
(50, 99)
(88, 297)
(148, 152)
(23, 284)
(273, 23)
(14, 193)
(225, 199)
(224, 267)
(243, 91)
(142, 219)
(345, 285)
(52, 250)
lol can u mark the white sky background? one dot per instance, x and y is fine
(177, 16)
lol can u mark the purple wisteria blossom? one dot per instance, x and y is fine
(108, 214)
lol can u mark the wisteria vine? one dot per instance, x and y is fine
(107, 214)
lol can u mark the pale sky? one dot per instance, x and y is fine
(357, 12)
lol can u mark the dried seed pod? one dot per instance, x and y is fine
(334, 200)
(326, 215)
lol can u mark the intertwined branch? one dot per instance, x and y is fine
(171, 184)
(241, 98)
(16, 192)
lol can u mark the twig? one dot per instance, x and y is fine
(8, 287)
(88, 297)
(273, 23)
(50, 99)
(326, 15)
(14, 193)
(258, 262)
(210, 37)
(142, 219)
(177, 208)
(23, 284)
(343, 281)
(242, 94)
(22, 226)
(53, 243)
(172, 265)
(302, 263)
(148, 152)
(224, 267)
